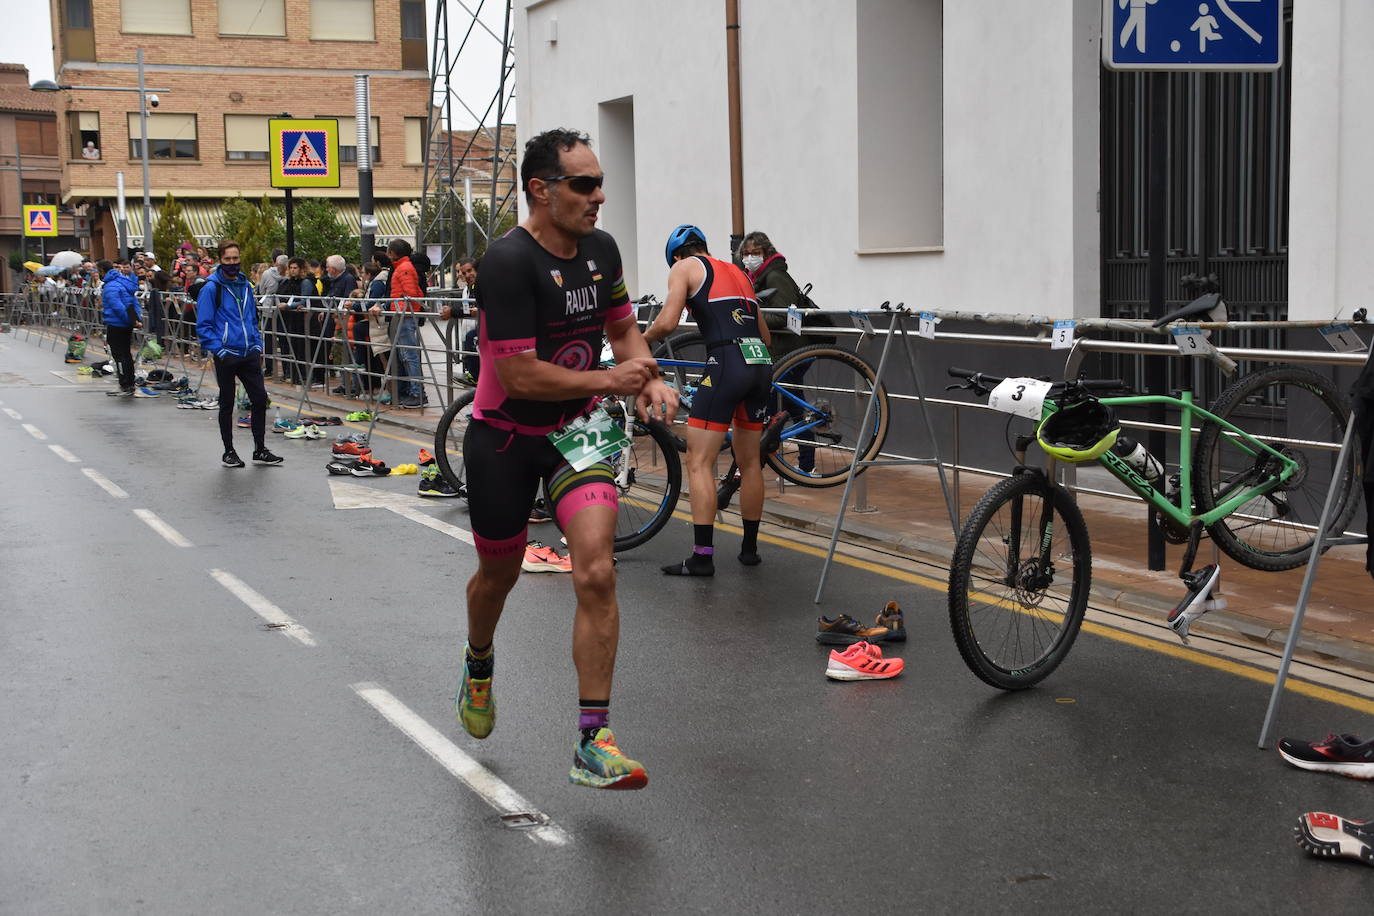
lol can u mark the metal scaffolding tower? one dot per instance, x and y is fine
(456, 160)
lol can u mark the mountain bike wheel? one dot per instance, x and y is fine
(1014, 616)
(833, 387)
(1292, 410)
(652, 486)
(448, 438)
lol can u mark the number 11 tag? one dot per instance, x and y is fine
(589, 439)
(794, 321)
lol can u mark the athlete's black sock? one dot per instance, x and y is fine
(749, 548)
(704, 535)
(592, 716)
(481, 661)
(698, 564)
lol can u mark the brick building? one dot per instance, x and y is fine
(228, 66)
(28, 134)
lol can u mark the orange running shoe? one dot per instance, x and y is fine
(350, 450)
(539, 558)
(862, 662)
(426, 457)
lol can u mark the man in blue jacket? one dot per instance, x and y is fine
(227, 323)
(119, 304)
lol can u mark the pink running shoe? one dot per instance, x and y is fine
(862, 661)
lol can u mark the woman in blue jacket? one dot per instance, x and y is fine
(227, 323)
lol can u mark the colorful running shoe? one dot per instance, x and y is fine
(845, 631)
(350, 450)
(1330, 835)
(146, 393)
(314, 432)
(598, 762)
(435, 484)
(284, 426)
(890, 617)
(1348, 755)
(355, 438)
(338, 469)
(360, 416)
(862, 662)
(297, 432)
(364, 466)
(244, 422)
(473, 703)
(539, 558)
(426, 457)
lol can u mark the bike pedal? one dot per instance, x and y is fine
(1199, 600)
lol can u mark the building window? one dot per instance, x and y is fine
(253, 17)
(415, 141)
(36, 138)
(245, 137)
(156, 17)
(85, 134)
(170, 136)
(78, 34)
(42, 192)
(414, 55)
(348, 139)
(901, 125)
(341, 20)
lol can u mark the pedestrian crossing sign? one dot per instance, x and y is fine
(40, 219)
(305, 152)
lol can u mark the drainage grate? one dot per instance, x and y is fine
(518, 819)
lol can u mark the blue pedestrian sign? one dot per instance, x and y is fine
(1192, 34)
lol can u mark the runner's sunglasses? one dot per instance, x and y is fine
(582, 184)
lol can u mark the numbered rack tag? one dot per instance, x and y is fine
(1024, 397)
(1191, 340)
(755, 352)
(589, 439)
(925, 324)
(793, 320)
(862, 321)
(1342, 338)
(1062, 339)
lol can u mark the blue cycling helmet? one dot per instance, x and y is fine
(681, 236)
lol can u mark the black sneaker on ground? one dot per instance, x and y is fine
(891, 618)
(120, 393)
(411, 403)
(437, 485)
(1348, 755)
(231, 459)
(539, 514)
(263, 456)
(1330, 835)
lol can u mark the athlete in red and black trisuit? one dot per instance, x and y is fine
(547, 291)
(734, 390)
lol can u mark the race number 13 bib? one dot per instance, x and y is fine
(755, 352)
(589, 439)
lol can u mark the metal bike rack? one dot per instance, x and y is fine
(898, 324)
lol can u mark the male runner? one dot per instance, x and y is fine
(547, 291)
(734, 390)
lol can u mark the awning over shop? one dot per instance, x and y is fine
(203, 216)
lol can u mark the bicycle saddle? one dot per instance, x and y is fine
(1202, 305)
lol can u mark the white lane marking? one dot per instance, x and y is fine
(478, 778)
(109, 486)
(14, 414)
(169, 534)
(35, 432)
(415, 515)
(262, 607)
(65, 455)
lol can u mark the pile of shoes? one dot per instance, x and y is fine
(863, 659)
(1329, 835)
(353, 455)
(433, 483)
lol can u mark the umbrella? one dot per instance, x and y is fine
(32, 265)
(51, 270)
(66, 259)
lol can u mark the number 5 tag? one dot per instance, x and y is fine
(1024, 397)
(1063, 334)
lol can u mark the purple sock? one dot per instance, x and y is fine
(704, 551)
(593, 714)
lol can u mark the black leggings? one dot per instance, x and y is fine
(120, 341)
(246, 369)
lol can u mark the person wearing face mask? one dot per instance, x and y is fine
(228, 329)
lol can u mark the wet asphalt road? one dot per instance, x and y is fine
(164, 751)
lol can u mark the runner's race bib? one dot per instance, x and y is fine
(755, 352)
(589, 439)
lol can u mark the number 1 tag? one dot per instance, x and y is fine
(1063, 335)
(1024, 397)
(793, 320)
(925, 325)
(1342, 338)
(589, 439)
(1191, 340)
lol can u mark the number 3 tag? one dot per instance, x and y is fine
(1191, 340)
(589, 439)
(1024, 397)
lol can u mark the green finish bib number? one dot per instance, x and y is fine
(589, 439)
(755, 352)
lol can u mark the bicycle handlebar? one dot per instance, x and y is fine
(980, 381)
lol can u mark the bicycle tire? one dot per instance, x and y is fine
(1287, 402)
(828, 372)
(448, 438)
(647, 504)
(991, 612)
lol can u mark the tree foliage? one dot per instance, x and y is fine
(170, 231)
(446, 217)
(319, 231)
(254, 226)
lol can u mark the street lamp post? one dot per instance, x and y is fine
(143, 93)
